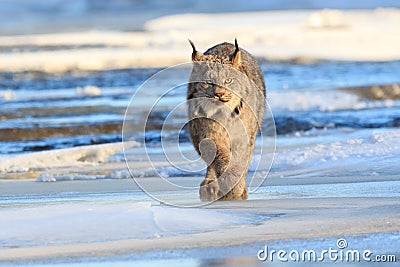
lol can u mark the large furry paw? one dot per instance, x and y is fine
(230, 183)
(236, 194)
(209, 190)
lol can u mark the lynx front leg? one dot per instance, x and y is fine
(232, 182)
(238, 192)
(209, 188)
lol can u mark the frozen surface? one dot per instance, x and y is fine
(45, 111)
(244, 254)
(384, 145)
(328, 100)
(314, 153)
(116, 229)
(335, 35)
(381, 243)
(65, 223)
(34, 15)
(300, 100)
(327, 190)
(371, 153)
(77, 156)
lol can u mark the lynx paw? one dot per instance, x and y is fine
(236, 194)
(209, 190)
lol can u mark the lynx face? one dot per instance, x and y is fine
(218, 83)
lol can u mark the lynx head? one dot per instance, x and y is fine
(218, 77)
(234, 59)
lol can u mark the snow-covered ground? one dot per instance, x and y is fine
(109, 226)
(36, 16)
(88, 162)
(41, 225)
(371, 35)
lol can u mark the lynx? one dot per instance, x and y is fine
(226, 102)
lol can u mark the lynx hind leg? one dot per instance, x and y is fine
(209, 188)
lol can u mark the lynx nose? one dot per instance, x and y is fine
(219, 92)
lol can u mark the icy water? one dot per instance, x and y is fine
(41, 111)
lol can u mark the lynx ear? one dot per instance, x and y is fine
(237, 57)
(196, 55)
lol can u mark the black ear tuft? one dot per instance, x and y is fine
(236, 57)
(236, 45)
(192, 44)
(196, 55)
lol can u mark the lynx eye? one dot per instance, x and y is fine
(228, 80)
(205, 85)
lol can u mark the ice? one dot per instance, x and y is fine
(327, 19)
(189, 169)
(120, 174)
(46, 177)
(77, 156)
(379, 144)
(105, 221)
(35, 15)
(62, 93)
(272, 34)
(117, 174)
(6, 95)
(383, 145)
(176, 170)
(88, 90)
(329, 100)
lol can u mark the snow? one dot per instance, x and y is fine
(46, 177)
(327, 19)
(88, 90)
(280, 100)
(339, 153)
(383, 145)
(7, 94)
(329, 100)
(70, 230)
(324, 155)
(76, 156)
(55, 94)
(326, 34)
(105, 221)
(379, 144)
